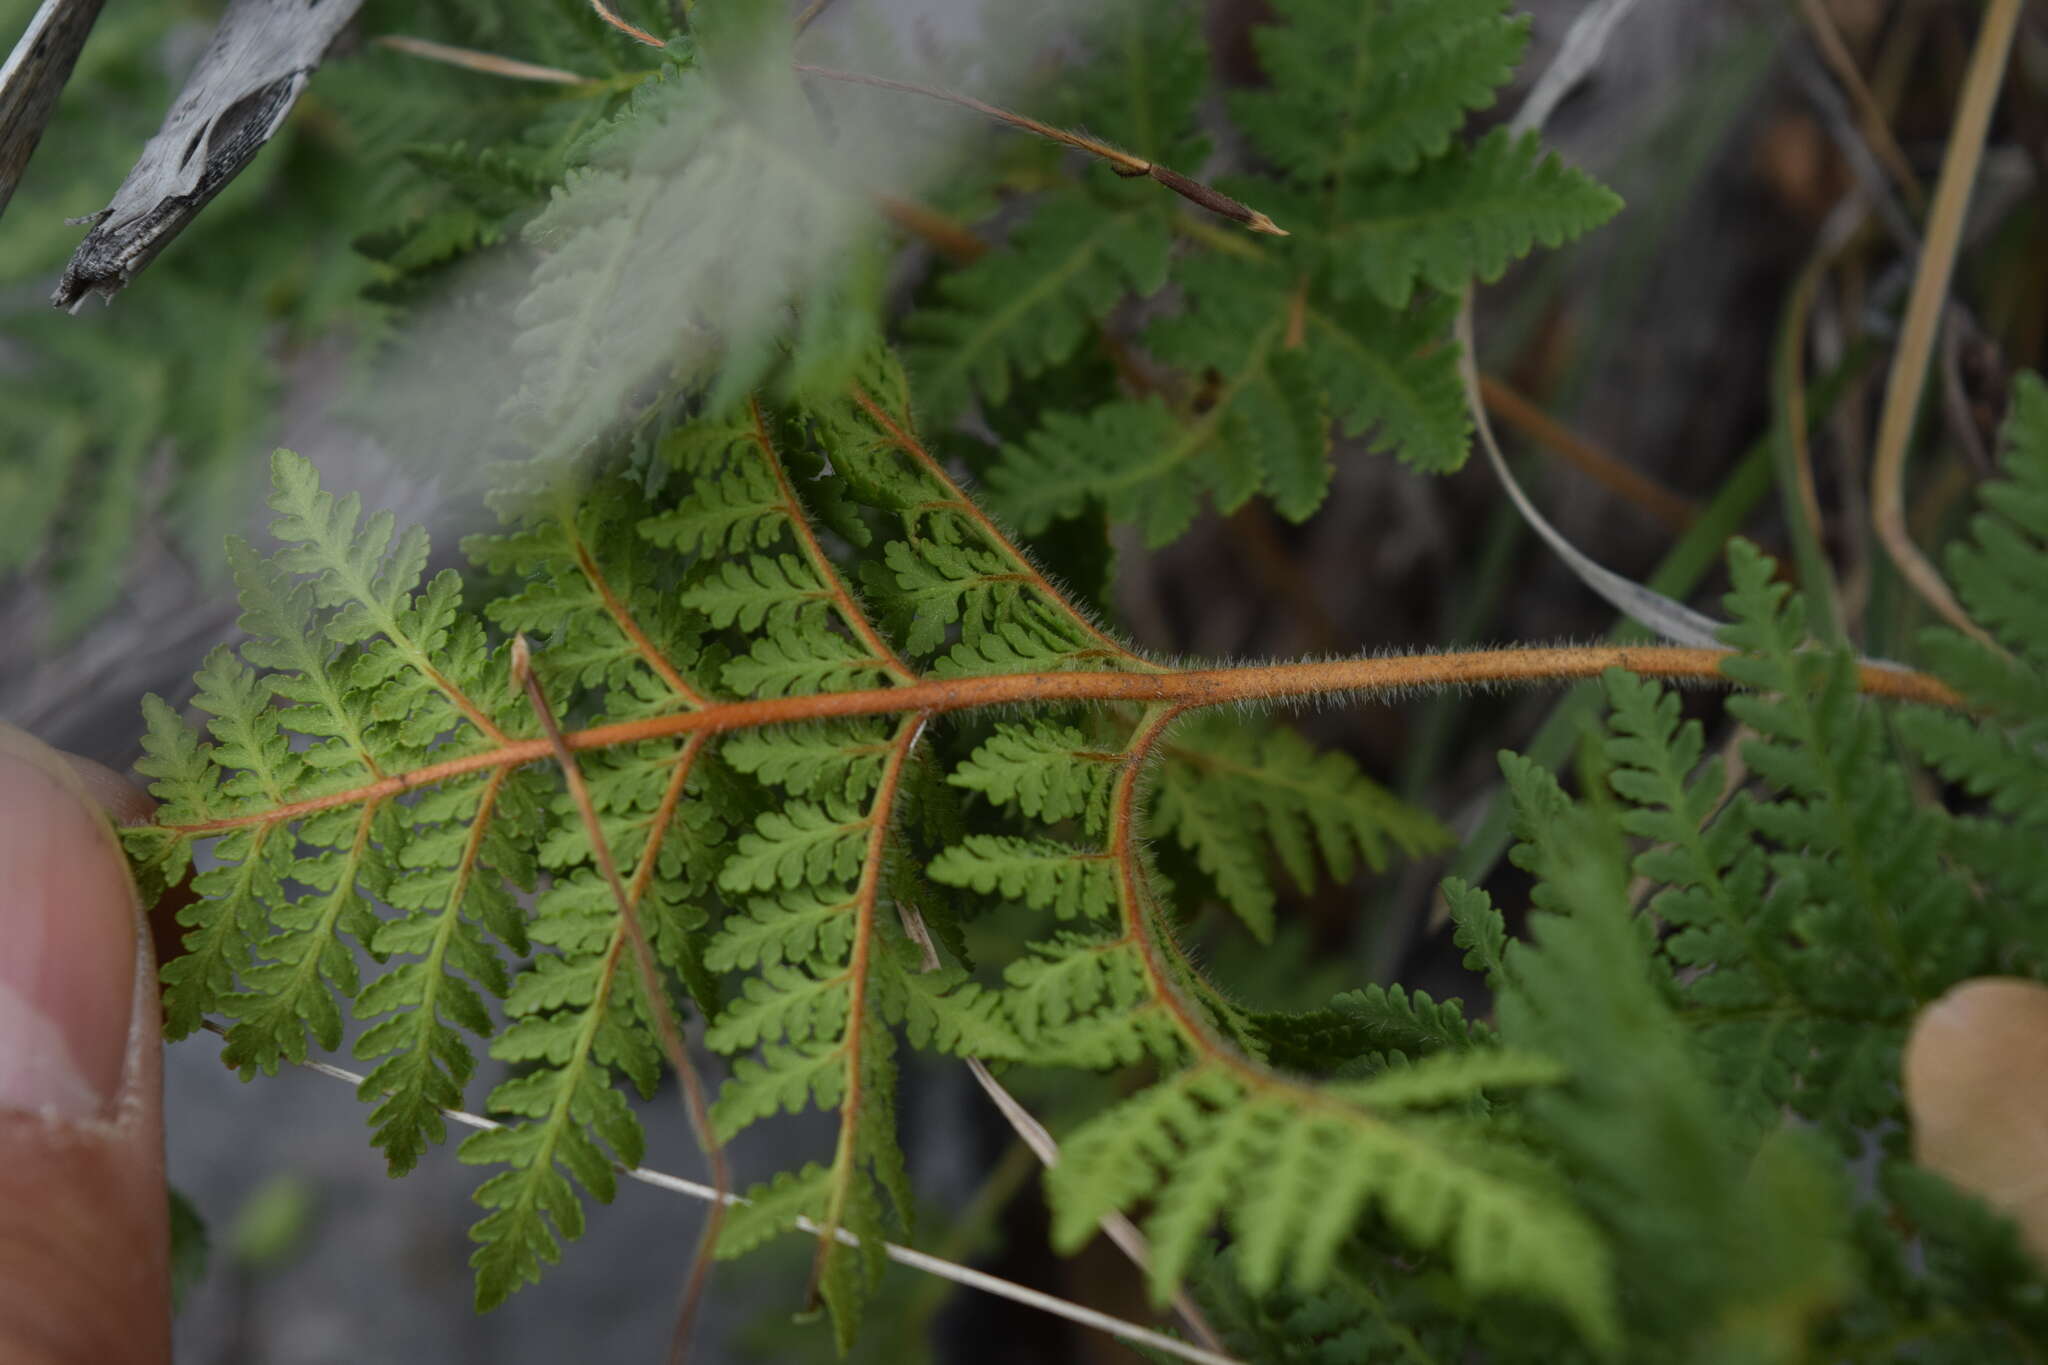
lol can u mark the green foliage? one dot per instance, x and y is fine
(1227, 792)
(1731, 1245)
(365, 750)
(836, 726)
(686, 212)
(1233, 390)
(1796, 920)
(1033, 304)
(1292, 1171)
(1998, 573)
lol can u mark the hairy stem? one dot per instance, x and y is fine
(905, 439)
(658, 1006)
(1383, 677)
(821, 563)
(867, 902)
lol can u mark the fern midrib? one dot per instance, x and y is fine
(433, 962)
(561, 1111)
(905, 439)
(884, 656)
(316, 937)
(394, 630)
(625, 621)
(859, 964)
(1191, 688)
(1212, 1051)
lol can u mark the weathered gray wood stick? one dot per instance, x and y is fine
(33, 78)
(238, 96)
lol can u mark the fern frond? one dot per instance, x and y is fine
(1758, 1245)
(1482, 931)
(1229, 791)
(1047, 772)
(1998, 758)
(1042, 874)
(1292, 1175)
(1370, 1025)
(1365, 88)
(1460, 217)
(373, 786)
(1016, 312)
(1855, 859)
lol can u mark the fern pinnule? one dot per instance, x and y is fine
(1997, 574)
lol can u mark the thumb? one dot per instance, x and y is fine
(84, 1239)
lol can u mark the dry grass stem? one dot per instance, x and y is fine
(468, 58)
(1120, 161)
(1924, 310)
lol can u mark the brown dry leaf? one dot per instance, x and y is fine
(1976, 1077)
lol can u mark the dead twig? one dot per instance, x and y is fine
(633, 31)
(468, 58)
(1120, 161)
(1924, 309)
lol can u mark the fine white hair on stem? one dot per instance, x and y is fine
(965, 1276)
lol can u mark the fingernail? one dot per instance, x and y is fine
(67, 940)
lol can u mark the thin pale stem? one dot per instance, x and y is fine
(470, 59)
(964, 1276)
(1384, 677)
(658, 1006)
(1924, 309)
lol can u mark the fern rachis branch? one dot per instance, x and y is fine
(659, 1008)
(1251, 684)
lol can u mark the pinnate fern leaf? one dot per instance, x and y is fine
(1996, 756)
(387, 837)
(1291, 1177)
(1404, 76)
(1016, 312)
